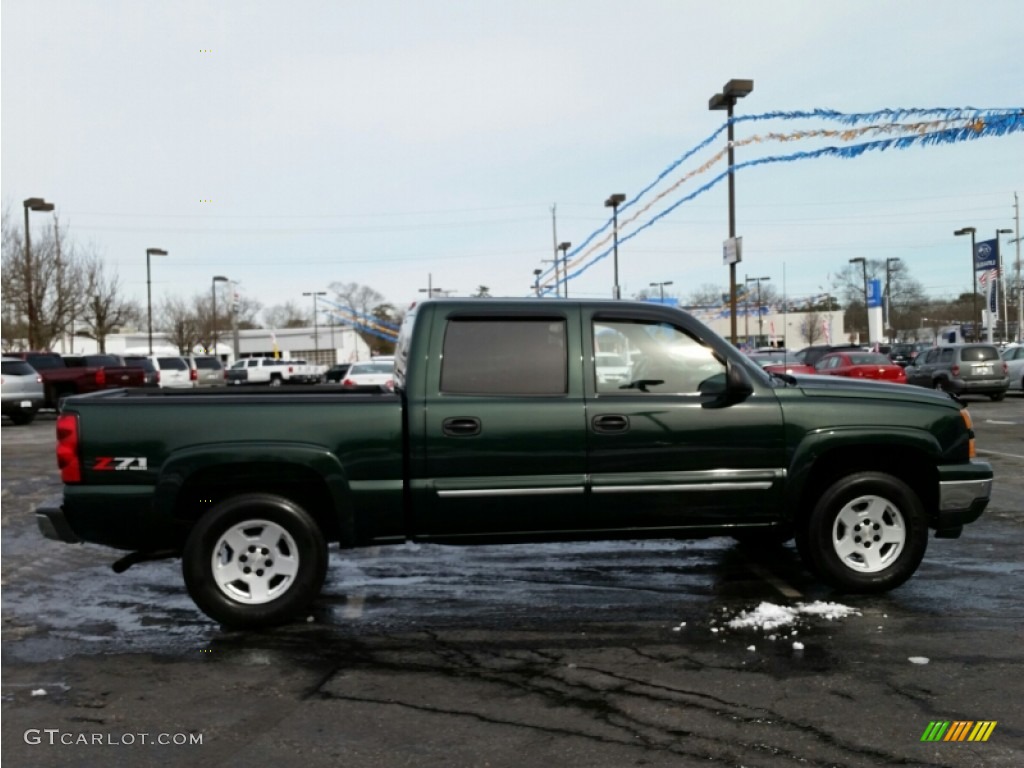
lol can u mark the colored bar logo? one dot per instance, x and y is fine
(959, 730)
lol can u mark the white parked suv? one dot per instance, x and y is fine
(174, 371)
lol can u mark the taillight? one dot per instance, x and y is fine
(971, 450)
(67, 448)
(157, 379)
(390, 384)
(1006, 369)
(955, 370)
(348, 383)
(193, 374)
(101, 378)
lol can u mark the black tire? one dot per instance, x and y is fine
(272, 561)
(867, 533)
(21, 418)
(939, 385)
(275, 381)
(996, 398)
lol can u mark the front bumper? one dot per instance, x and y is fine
(52, 522)
(964, 492)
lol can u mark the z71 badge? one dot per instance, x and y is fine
(118, 463)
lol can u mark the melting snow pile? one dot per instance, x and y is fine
(771, 616)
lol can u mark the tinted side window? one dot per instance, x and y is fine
(505, 357)
(208, 364)
(172, 364)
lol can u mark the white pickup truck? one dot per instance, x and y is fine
(272, 371)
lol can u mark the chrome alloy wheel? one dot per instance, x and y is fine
(255, 561)
(868, 534)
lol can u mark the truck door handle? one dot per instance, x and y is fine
(461, 427)
(610, 423)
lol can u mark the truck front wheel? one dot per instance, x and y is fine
(255, 560)
(867, 533)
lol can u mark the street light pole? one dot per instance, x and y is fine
(613, 202)
(888, 307)
(760, 320)
(974, 281)
(563, 247)
(316, 326)
(536, 281)
(733, 90)
(149, 293)
(867, 312)
(32, 204)
(216, 279)
(661, 287)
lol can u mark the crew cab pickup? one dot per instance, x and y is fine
(78, 374)
(501, 430)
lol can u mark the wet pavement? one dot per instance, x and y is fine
(593, 654)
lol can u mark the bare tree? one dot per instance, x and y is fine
(287, 315)
(810, 326)
(182, 323)
(361, 298)
(42, 287)
(104, 309)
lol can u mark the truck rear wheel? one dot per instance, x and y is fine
(255, 560)
(867, 533)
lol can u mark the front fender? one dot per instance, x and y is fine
(856, 448)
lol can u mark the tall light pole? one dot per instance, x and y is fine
(563, 247)
(974, 281)
(760, 320)
(32, 204)
(536, 281)
(888, 307)
(216, 279)
(613, 202)
(661, 288)
(316, 326)
(733, 90)
(1000, 274)
(149, 293)
(867, 313)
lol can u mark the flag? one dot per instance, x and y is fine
(826, 330)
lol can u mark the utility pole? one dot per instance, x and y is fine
(554, 241)
(1020, 286)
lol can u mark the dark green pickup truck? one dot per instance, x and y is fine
(517, 420)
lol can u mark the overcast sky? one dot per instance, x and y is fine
(289, 145)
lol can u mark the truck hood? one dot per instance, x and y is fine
(840, 386)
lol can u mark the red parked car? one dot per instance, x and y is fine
(780, 362)
(861, 365)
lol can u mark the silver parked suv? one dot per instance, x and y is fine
(963, 369)
(208, 369)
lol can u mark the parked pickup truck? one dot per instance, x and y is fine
(501, 430)
(272, 371)
(78, 374)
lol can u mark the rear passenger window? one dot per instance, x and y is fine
(505, 357)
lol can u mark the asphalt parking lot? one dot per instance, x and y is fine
(656, 653)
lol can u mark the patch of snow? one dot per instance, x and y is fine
(918, 659)
(797, 646)
(770, 616)
(39, 692)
